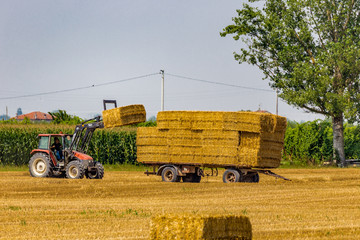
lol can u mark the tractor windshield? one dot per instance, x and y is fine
(44, 143)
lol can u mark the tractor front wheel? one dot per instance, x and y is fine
(39, 165)
(75, 170)
(97, 172)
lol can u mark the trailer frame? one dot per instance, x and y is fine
(192, 172)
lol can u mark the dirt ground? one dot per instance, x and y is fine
(316, 204)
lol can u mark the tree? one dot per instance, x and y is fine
(61, 116)
(310, 52)
(19, 112)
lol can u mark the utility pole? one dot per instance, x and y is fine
(7, 112)
(277, 102)
(162, 90)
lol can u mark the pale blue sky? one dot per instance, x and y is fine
(48, 45)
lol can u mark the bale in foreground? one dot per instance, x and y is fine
(200, 227)
(126, 115)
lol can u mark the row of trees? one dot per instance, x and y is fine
(310, 143)
(309, 50)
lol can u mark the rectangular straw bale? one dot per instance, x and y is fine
(267, 162)
(151, 136)
(152, 153)
(220, 137)
(126, 115)
(188, 150)
(215, 150)
(281, 123)
(200, 227)
(189, 119)
(238, 121)
(273, 137)
(220, 159)
(184, 137)
(185, 154)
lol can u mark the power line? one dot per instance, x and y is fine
(219, 83)
(80, 88)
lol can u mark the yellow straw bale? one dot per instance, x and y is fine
(244, 139)
(126, 115)
(238, 121)
(200, 227)
(147, 136)
(152, 154)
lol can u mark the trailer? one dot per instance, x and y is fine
(194, 172)
(189, 145)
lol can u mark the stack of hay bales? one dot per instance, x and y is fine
(196, 227)
(242, 139)
(126, 115)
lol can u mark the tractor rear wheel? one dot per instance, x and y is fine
(97, 172)
(39, 165)
(75, 170)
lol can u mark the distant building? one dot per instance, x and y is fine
(35, 117)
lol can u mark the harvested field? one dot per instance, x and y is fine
(317, 204)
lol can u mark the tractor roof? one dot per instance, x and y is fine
(54, 135)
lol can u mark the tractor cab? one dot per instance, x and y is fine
(54, 145)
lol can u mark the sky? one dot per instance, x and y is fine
(48, 46)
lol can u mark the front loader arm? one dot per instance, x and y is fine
(83, 134)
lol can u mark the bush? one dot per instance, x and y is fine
(311, 143)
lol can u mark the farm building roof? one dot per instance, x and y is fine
(34, 116)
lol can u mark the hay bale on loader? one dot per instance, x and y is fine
(212, 139)
(122, 116)
(199, 227)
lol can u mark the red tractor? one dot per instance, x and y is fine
(71, 160)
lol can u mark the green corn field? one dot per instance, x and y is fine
(107, 146)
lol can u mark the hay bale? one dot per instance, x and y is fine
(152, 154)
(151, 136)
(232, 121)
(244, 139)
(196, 227)
(126, 115)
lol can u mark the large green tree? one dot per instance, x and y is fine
(310, 52)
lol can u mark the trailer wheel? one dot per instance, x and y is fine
(191, 177)
(256, 178)
(252, 177)
(232, 176)
(169, 174)
(75, 170)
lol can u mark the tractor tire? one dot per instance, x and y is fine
(232, 176)
(98, 173)
(40, 166)
(191, 177)
(75, 170)
(169, 174)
